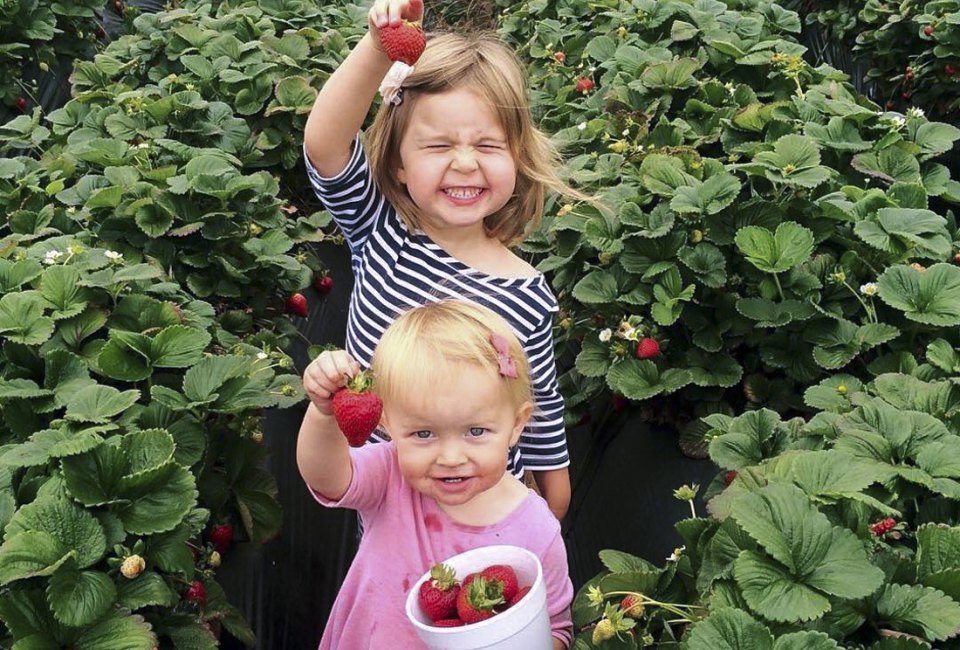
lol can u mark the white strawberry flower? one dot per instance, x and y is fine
(627, 331)
(869, 289)
(677, 552)
(113, 255)
(582, 126)
(915, 112)
(52, 256)
(262, 355)
(605, 335)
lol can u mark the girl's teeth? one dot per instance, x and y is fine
(463, 194)
(452, 480)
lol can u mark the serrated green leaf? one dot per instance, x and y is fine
(29, 554)
(729, 629)
(789, 246)
(99, 403)
(75, 529)
(919, 610)
(931, 297)
(79, 598)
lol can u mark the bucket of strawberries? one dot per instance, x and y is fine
(489, 598)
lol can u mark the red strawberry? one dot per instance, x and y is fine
(584, 84)
(518, 596)
(619, 402)
(729, 476)
(476, 602)
(559, 57)
(956, 258)
(648, 348)
(221, 536)
(323, 284)
(196, 592)
(438, 595)
(928, 30)
(404, 42)
(448, 622)
(357, 409)
(506, 576)
(297, 305)
(949, 70)
(632, 606)
(21, 104)
(905, 96)
(467, 580)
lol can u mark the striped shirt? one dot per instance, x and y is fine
(396, 270)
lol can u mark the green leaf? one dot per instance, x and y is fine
(743, 443)
(938, 549)
(670, 75)
(935, 138)
(639, 379)
(147, 589)
(789, 246)
(119, 631)
(805, 641)
(816, 557)
(707, 198)
(161, 504)
(903, 230)
(931, 297)
(621, 562)
(729, 629)
(60, 286)
(919, 610)
(30, 554)
(22, 319)
(664, 175)
(93, 478)
(594, 357)
(596, 287)
(100, 403)
(72, 526)
(79, 598)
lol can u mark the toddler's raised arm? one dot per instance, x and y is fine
(345, 98)
(323, 455)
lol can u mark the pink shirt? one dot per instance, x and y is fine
(405, 533)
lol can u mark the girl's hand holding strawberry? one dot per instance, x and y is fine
(392, 13)
(327, 374)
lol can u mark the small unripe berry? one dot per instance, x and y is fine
(133, 565)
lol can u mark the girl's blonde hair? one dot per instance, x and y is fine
(426, 347)
(481, 63)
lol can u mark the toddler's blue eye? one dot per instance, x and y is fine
(477, 431)
(422, 435)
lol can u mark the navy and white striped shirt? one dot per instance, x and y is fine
(396, 270)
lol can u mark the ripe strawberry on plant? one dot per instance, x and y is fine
(221, 536)
(648, 348)
(584, 85)
(632, 606)
(404, 42)
(357, 409)
(438, 595)
(297, 305)
(323, 284)
(476, 602)
(949, 70)
(507, 578)
(196, 593)
(21, 104)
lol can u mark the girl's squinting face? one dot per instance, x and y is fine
(455, 161)
(452, 444)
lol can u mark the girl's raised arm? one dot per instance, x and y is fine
(343, 102)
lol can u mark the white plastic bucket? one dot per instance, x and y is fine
(525, 626)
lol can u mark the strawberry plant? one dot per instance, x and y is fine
(124, 409)
(34, 34)
(838, 531)
(759, 217)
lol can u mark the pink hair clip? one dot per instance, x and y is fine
(507, 367)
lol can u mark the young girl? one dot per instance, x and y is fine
(454, 173)
(456, 395)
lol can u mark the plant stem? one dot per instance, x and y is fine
(779, 288)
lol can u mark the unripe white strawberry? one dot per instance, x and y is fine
(133, 565)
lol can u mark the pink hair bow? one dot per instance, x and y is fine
(507, 367)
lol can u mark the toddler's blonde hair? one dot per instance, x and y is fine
(426, 347)
(481, 63)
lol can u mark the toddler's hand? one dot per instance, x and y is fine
(325, 375)
(392, 12)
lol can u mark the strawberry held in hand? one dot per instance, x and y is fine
(357, 409)
(404, 42)
(438, 595)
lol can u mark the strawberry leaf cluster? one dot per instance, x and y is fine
(761, 221)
